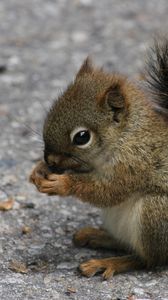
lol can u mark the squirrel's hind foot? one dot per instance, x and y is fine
(93, 238)
(110, 266)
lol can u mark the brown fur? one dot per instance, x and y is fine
(128, 156)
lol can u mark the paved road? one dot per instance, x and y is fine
(42, 44)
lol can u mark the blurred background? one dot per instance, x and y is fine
(42, 45)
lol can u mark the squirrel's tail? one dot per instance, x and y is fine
(157, 74)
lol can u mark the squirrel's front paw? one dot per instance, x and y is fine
(52, 184)
(57, 185)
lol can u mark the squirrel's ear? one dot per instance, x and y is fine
(86, 67)
(114, 99)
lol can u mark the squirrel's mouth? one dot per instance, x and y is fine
(59, 170)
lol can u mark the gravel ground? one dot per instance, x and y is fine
(42, 44)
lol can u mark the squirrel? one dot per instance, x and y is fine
(106, 143)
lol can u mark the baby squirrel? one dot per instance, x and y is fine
(106, 142)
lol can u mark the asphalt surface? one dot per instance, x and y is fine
(42, 44)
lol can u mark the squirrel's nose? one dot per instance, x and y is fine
(54, 163)
(59, 163)
(54, 159)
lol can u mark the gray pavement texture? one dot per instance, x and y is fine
(42, 44)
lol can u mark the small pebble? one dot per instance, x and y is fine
(26, 230)
(29, 205)
(3, 69)
(71, 290)
(18, 266)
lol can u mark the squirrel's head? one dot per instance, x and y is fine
(85, 119)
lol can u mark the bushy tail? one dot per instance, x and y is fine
(157, 74)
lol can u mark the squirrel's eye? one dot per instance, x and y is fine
(81, 137)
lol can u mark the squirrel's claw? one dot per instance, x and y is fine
(40, 170)
(90, 268)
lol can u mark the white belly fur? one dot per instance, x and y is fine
(123, 222)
